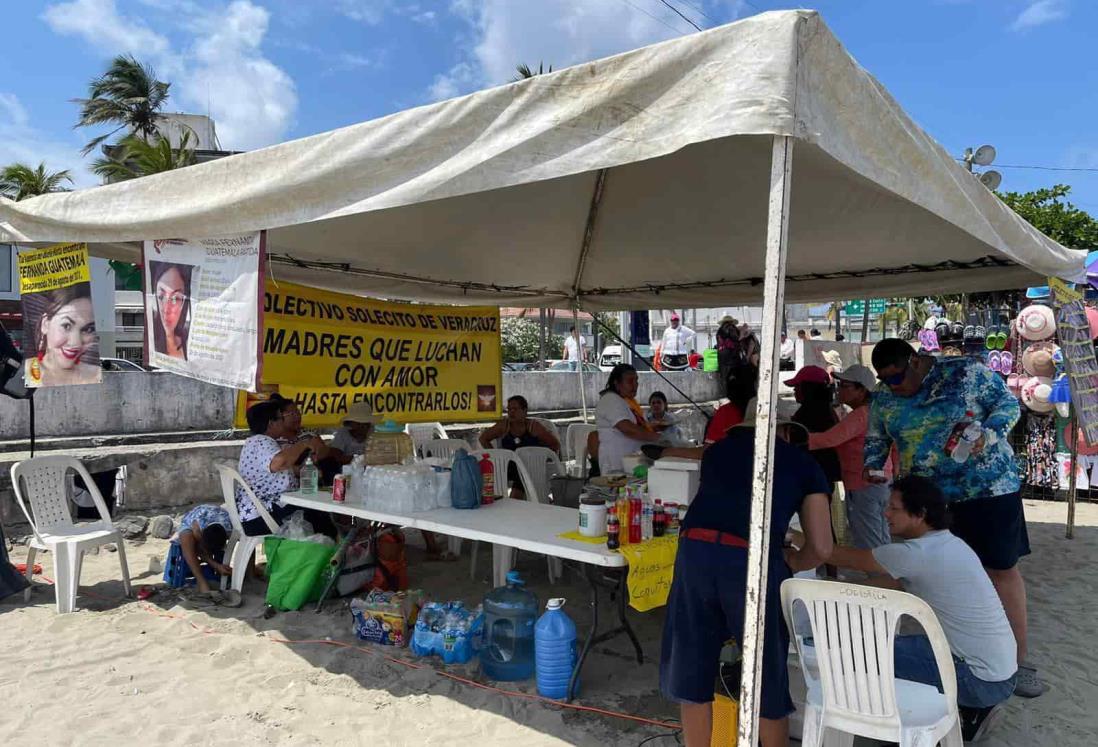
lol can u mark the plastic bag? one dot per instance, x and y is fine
(295, 571)
(296, 528)
(442, 487)
(465, 482)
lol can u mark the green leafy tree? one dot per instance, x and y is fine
(519, 339)
(128, 96)
(19, 181)
(1055, 217)
(135, 157)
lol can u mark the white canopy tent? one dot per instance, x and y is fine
(663, 172)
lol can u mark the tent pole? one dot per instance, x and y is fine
(777, 239)
(1073, 488)
(582, 362)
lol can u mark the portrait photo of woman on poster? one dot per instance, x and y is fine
(66, 345)
(171, 283)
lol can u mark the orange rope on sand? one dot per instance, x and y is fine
(412, 665)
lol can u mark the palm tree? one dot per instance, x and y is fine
(134, 157)
(127, 95)
(524, 71)
(19, 181)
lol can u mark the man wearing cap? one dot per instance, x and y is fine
(865, 501)
(677, 341)
(922, 404)
(350, 440)
(706, 604)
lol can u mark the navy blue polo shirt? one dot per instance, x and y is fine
(723, 501)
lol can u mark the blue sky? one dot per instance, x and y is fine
(1019, 74)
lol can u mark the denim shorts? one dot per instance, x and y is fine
(915, 661)
(705, 609)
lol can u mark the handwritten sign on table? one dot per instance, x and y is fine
(1079, 360)
(651, 568)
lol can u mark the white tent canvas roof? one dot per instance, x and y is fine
(607, 182)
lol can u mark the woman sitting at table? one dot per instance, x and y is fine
(515, 431)
(271, 469)
(622, 426)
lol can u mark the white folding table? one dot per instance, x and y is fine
(506, 524)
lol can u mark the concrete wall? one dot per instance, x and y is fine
(548, 391)
(124, 403)
(134, 403)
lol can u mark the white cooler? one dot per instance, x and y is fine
(674, 480)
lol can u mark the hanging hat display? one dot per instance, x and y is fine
(1036, 392)
(1040, 359)
(1036, 322)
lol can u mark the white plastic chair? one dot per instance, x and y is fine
(41, 483)
(444, 448)
(503, 557)
(849, 668)
(577, 446)
(550, 426)
(541, 464)
(421, 433)
(240, 547)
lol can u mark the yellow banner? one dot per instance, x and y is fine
(411, 362)
(52, 268)
(651, 569)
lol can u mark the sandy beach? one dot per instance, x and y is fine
(167, 671)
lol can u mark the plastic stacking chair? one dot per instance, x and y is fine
(421, 433)
(541, 464)
(240, 547)
(444, 448)
(577, 446)
(550, 426)
(849, 667)
(502, 459)
(40, 483)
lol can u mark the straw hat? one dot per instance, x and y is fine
(833, 358)
(1036, 392)
(360, 412)
(1036, 322)
(1039, 359)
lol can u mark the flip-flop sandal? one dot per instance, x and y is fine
(1014, 383)
(981, 334)
(994, 361)
(1006, 362)
(931, 343)
(991, 339)
(22, 568)
(970, 333)
(146, 592)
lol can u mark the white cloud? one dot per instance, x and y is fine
(1040, 12)
(20, 142)
(503, 34)
(218, 63)
(373, 12)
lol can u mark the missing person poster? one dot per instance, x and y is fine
(60, 342)
(202, 307)
(412, 363)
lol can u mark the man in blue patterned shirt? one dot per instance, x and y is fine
(921, 402)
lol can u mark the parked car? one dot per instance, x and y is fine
(611, 356)
(121, 365)
(567, 366)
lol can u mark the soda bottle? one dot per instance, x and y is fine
(613, 527)
(310, 477)
(969, 436)
(659, 520)
(647, 522)
(623, 520)
(956, 434)
(634, 521)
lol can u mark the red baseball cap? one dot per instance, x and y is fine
(674, 317)
(810, 375)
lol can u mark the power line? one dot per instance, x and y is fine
(657, 19)
(1042, 168)
(701, 12)
(679, 13)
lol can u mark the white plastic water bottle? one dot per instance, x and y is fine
(310, 477)
(969, 436)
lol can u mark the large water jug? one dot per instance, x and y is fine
(465, 485)
(555, 650)
(509, 615)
